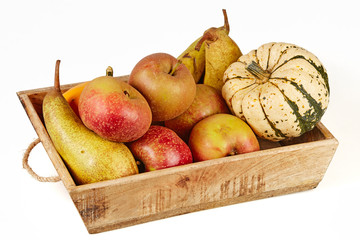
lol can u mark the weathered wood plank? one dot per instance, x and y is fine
(200, 186)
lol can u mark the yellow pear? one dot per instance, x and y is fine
(194, 60)
(220, 52)
(88, 157)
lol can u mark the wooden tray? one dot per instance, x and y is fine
(279, 168)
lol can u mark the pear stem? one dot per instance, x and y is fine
(208, 35)
(57, 78)
(172, 71)
(261, 74)
(226, 21)
(109, 71)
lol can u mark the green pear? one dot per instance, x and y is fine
(88, 157)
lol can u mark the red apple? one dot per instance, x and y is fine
(167, 85)
(221, 135)
(114, 109)
(208, 101)
(159, 148)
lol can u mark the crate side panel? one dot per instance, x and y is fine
(193, 208)
(121, 205)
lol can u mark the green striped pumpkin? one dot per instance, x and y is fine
(281, 90)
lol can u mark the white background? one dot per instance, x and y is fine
(90, 35)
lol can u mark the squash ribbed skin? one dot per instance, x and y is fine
(287, 99)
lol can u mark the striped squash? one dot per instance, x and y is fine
(281, 90)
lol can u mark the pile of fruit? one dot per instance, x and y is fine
(208, 103)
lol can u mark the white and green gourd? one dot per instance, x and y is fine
(281, 90)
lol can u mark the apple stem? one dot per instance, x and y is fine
(172, 70)
(57, 78)
(109, 71)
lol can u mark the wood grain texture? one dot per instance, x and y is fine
(279, 168)
(198, 186)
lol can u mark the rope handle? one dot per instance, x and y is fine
(25, 163)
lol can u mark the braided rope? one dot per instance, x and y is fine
(25, 163)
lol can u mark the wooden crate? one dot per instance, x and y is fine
(277, 169)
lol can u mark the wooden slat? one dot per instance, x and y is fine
(46, 141)
(64, 87)
(198, 186)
